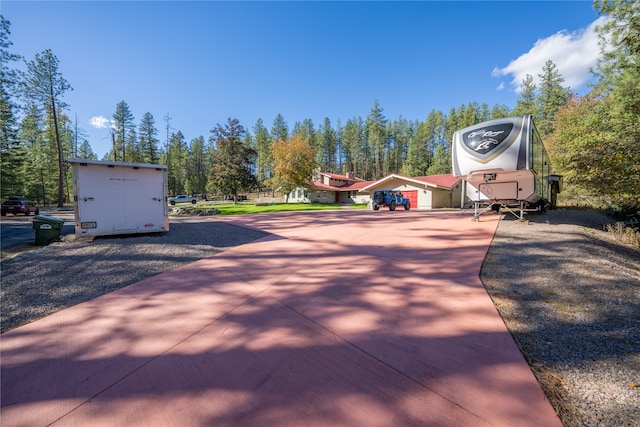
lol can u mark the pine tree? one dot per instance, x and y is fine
(499, 111)
(418, 156)
(306, 130)
(148, 140)
(347, 147)
(399, 133)
(35, 159)
(325, 147)
(40, 178)
(177, 154)
(262, 145)
(471, 114)
(279, 130)
(421, 148)
(340, 158)
(441, 161)
(85, 151)
(197, 167)
(12, 153)
(122, 126)
(132, 147)
(352, 141)
(376, 136)
(552, 95)
(483, 113)
(526, 102)
(44, 86)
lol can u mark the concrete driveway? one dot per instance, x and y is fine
(340, 318)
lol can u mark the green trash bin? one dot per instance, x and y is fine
(47, 228)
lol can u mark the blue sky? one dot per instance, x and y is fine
(202, 62)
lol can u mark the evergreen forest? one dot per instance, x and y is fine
(593, 140)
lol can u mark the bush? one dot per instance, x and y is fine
(623, 233)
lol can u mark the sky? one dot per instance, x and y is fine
(199, 63)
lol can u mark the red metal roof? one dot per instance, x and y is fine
(350, 184)
(354, 186)
(444, 181)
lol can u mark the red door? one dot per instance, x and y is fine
(413, 198)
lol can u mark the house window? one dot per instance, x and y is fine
(299, 193)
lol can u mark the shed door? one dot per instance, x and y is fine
(412, 196)
(100, 198)
(143, 199)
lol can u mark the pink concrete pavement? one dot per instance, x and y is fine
(341, 318)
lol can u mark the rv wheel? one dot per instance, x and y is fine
(407, 206)
(392, 206)
(375, 207)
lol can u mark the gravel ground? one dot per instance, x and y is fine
(569, 295)
(40, 282)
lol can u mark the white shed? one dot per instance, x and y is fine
(119, 198)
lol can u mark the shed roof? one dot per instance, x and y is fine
(113, 163)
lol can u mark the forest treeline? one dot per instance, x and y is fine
(593, 140)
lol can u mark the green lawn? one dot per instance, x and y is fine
(250, 208)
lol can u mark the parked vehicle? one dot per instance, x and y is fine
(183, 198)
(390, 198)
(505, 165)
(19, 205)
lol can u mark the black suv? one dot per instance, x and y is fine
(19, 205)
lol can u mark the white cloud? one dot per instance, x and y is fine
(100, 122)
(574, 54)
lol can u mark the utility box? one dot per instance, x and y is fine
(119, 198)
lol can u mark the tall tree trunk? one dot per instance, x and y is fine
(59, 149)
(113, 145)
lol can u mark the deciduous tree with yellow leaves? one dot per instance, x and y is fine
(293, 164)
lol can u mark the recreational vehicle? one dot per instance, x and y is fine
(505, 165)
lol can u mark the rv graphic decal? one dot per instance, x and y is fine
(483, 141)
